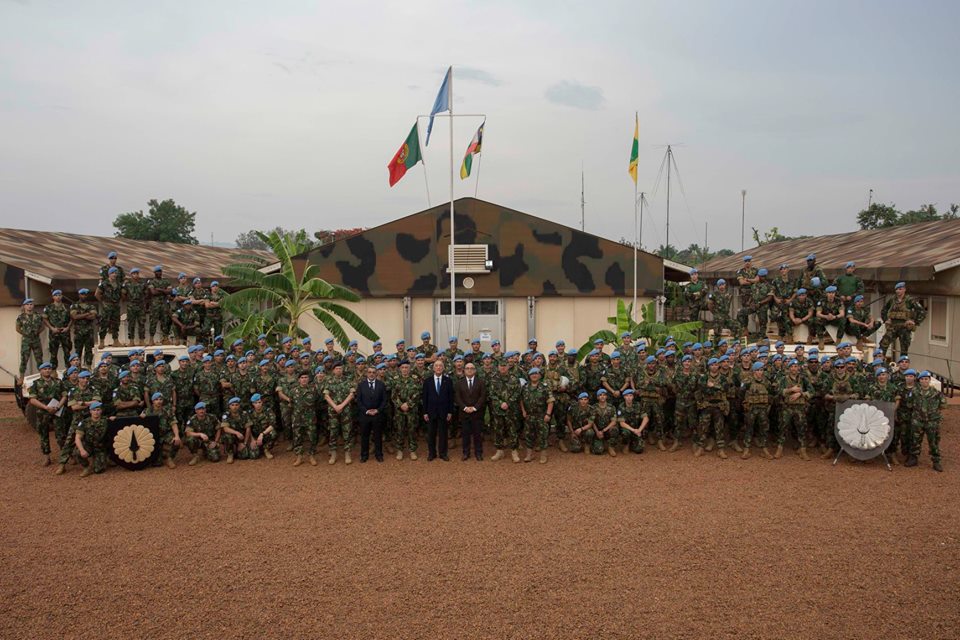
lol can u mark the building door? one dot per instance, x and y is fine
(481, 319)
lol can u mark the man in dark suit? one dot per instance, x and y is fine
(471, 397)
(372, 402)
(437, 410)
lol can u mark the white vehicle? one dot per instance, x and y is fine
(171, 353)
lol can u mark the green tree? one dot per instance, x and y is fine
(251, 239)
(773, 235)
(274, 302)
(648, 329)
(884, 216)
(164, 221)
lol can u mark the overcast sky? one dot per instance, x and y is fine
(258, 114)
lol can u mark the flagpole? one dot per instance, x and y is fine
(476, 186)
(453, 272)
(636, 223)
(423, 161)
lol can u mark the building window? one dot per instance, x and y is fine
(486, 307)
(445, 308)
(938, 322)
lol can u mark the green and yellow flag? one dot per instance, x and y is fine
(635, 151)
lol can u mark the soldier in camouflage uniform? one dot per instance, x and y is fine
(783, 295)
(90, 441)
(830, 311)
(713, 405)
(902, 315)
(109, 293)
(56, 317)
(207, 386)
(127, 398)
(746, 278)
(187, 321)
(650, 385)
(580, 424)
(158, 291)
(135, 294)
(45, 389)
(927, 406)
(803, 312)
(632, 421)
(695, 295)
(234, 430)
(860, 322)
(887, 391)
(338, 395)
(203, 434)
(263, 431)
(536, 405)
(686, 418)
(719, 302)
(758, 305)
(285, 384)
(112, 264)
(405, 396)
(849, 286)
(303, 409)
(809, 273)
(213, 317)
(756, 411)
(605, 427)
(615, 379)
(29, 326)
(428, 349)
(183, 390)
(904, 417)
(504, 397)
(169, 428)
(78, 401)
(842, 388)
(795, 392)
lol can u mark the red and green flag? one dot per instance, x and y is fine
(472, 150)
(407, 155)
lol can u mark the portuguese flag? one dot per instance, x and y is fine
(472, 150)
(407, 156)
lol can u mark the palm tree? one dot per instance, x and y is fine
(273, 303)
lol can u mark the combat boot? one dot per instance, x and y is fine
(400, 454)
(543, 457)
(100, 346)
(562, 445)
(313, 460)
(660, 445)
(826, 455)
(612, 451)
(413, 455)
(709, 446)
(267, 454)
(298, 461)
(170, 463)
(766, 453)
(194, 460)
(736, 446)
(515, 455)
(333, 458)
(46, 461)
(697, 452)
(821, 344)
(87, 470)
(230, 458)
(674, 446)
(803, 453)
(722, 454)
(936, 466)
(746, 454)
(346, 457)
(497, 455)
(529, 455)
(779, 452)
(290, 446)
(911, 461)
(61, 469)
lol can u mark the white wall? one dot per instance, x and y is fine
(383, 315)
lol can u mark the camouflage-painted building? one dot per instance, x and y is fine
(518, 276)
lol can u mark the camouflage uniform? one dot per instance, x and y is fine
(238, 422)
(167, 420)
(602, 415)
(713, 405)
(125, 393)
(260, 421)
(340, 424)
(686, 417)
(84, 395)
(833, 308)
(633, 415)
(927, 405)
(45, 391)
(805, 280)
(135, 291)
(904, 418)
(861, 314)
(794, 411)
(159, 311)
(57, 315)
(578, 417)
(111, 294)
(615, 378)
(783, 289)
(29, 326)
(800, 309)
(757, 304)
(896, 314)
(285, 384)
(213, 318)
(207, 384)
(649, 387)
(890, 393)
(535, 399)
(505, 388)
(93, 435)
(842, 389)
(190, 320)
(84, 330)
(209, 426)
(405, 390)
(756, 412)
(693, 295)
(721, 302)
(183, 384)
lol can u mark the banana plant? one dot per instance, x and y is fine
(654, 333)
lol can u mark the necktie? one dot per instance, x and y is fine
(469, 384)
(371, 386)
(438, 385)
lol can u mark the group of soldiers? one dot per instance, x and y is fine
(158, 311)
(239, 402)
(809, 300)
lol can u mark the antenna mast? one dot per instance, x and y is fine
(583, 204)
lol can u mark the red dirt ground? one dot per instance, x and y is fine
(659, 545)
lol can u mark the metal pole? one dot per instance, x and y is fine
(636, 235)
(743, 215)
(870, 199)
(666, 248)
(583, 203)
(453, 273)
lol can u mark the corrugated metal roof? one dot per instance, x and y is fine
(73, 257)
(909, 252)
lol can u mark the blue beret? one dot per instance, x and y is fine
(85, 374)
(801, 291)
(900, 285)
(697, 345)
(453, 339)
(200, 405)
(831, 289)
(694, 270)
(207, 358)
(187, 301)
(231, 358)
(857, 298)
(601, 392)
(724, 358)
(377, 343)
(615, 354)
(627, 392)
(286, 340)
(708, 344)
(903, 358)
(382, 365)
(598, 341)
(352, 343)
(721, 281)
(46, 365)
(747, 258)
(475, 341)
(712, 361)
(421, 356)
(184, 357)
(761, 272)
(583, 394)
(560, 342)
(84, 291)
(134, 270)
(57, 292)
(844, 345)
(402, 341)
(71, 370)
(237, 342)
(96, 404)
(27, 301)
(850, 264)
(156, 396)
(553, 353)
(157, 268)
(112, 254)
(685, 358)
(924, 374)
(249, 352)
(880, 370)
(571, 352)
(263, 363)
(457, 357)
(815, 281)
(757, 366)
(256, 397)
(425, 335)
(812, 256)
(534, 370)
(219, 352)
(532, 341)
(111, 270)
(494, 342)
(625, 334)
(328, 341)
(910, 372)
(650, 359)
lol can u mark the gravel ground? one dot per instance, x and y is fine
(658, 545)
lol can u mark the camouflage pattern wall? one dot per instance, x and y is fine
(531, 257)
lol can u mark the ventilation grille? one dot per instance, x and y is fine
(469, 258)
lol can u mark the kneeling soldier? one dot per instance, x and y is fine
(203, 431)
(632, 420)
(90, 441)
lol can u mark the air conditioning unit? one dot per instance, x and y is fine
(469, 258)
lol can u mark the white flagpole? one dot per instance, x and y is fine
(636, 224)
(476, 185)
(453, 273)
(423, 161)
